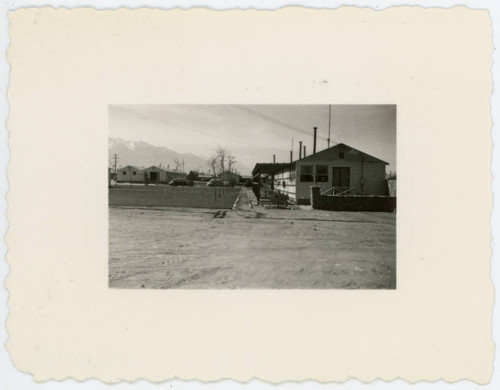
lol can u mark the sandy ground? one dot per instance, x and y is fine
(250, 247)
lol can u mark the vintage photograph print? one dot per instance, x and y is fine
(252, 196)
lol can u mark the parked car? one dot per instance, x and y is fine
(216, 183)
(180, 182)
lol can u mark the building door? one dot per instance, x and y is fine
(341, 179)
(153, 176)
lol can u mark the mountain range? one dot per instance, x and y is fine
(142, 154)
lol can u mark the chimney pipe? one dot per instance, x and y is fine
(274, 159)
(300, 150)
(304, 151)
(314, 145)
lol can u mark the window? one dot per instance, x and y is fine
(306, 173)
(124, 172)
(134, 173)
(322, 173)
(341, 155)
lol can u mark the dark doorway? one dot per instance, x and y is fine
(341, 179)
(153, 176)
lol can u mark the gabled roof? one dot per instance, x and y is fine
(267, 168)
(131, 167)
(155, 168)
(345, 148)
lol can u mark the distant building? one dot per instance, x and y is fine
(246, 179)
(161, 175)
(130, 174)
(205, 176)
(229, 177)
(340, 169)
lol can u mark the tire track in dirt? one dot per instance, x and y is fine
(193, 277)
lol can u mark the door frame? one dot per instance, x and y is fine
(156, 174)
(341, 168)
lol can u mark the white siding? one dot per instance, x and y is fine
(284, 181)
(373, 173)
(361, 165)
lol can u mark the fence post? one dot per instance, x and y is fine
(315, 195)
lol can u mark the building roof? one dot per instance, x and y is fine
(131, 167)
(268, 168)
(154, 167)
(344, 148)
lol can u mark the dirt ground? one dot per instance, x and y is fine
(250, 247)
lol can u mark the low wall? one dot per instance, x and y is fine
(168, 196)
(303, 201)
(351, 203)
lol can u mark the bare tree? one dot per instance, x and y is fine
(231, 162)
(179, 163)
(213, 164)
(221, 162)
(221, 154)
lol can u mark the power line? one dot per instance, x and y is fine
(273, 120)
(141, 116)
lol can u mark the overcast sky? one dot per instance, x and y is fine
(253, 133)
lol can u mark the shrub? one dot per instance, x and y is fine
(278, 199)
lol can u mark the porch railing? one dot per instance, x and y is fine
(338, 191)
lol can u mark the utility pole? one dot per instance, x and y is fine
(329, 123)
(314, 145)
(116, 160)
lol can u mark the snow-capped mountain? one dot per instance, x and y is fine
(142, 154)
